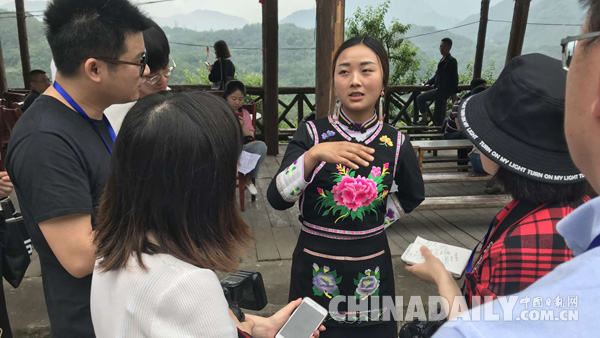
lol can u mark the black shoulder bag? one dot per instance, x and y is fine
(15, 244)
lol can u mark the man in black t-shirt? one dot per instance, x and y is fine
(59, 152)
(39, 82)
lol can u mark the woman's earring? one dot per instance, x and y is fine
(336, 111)
(381, 106)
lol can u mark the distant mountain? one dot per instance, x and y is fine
(405, 11)
(202, 20)
(304, 19)
(501, 11)
(538, 38)
(541, 11)
(296, 66)
(546, 39)
(422, 12)
(457, 9)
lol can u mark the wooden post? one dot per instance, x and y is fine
(483, 21)
(23, 44)
(3, 83)
(270, 34)
(330, 35)
(517, 31)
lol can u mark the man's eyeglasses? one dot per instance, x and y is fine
(153, 79)
(142, 64)
(568, 47)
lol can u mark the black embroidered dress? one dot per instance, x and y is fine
(342, 249)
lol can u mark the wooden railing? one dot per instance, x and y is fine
(400, 98)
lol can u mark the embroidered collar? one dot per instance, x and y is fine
(347, 121)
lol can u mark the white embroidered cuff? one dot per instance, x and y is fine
(290, 182)
(393, 210)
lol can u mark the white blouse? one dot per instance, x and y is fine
(171, 299)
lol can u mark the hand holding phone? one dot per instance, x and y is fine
(304, 321)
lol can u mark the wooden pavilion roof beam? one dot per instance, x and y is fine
(517, 31)
(270, 35)
(330, 35)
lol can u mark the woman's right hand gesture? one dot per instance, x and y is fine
(349, 154)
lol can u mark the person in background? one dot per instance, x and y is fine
(59, 151)
(167, 219)
(161, 68)
(39, 82)
(523, 146)
(235, 92)
(222, 70)
(445, 82)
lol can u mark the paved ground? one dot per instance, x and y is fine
(275, 234)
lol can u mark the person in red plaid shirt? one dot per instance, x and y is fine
(517, 125)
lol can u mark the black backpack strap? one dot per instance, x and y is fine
(521, 210)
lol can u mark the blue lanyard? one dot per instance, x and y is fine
(78, 108)
(470, 263)
(487, 235)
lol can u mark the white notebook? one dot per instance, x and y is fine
(454, 258)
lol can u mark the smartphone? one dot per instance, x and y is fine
(304, 321)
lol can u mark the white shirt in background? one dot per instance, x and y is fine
(116, 113)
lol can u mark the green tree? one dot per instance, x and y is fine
(402, 55)
(487, 74)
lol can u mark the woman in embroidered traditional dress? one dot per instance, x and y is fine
(342, 168)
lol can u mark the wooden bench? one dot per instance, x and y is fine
(454, 177)
(433, 136)
(420, 129)
(439, 159)
(12, 97)
(464, 202)
(421, 147)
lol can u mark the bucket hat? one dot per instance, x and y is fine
(519, 121)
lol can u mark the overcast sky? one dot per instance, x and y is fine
(248, 9)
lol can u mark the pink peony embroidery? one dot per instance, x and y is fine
(354, 193)
(376, 171)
